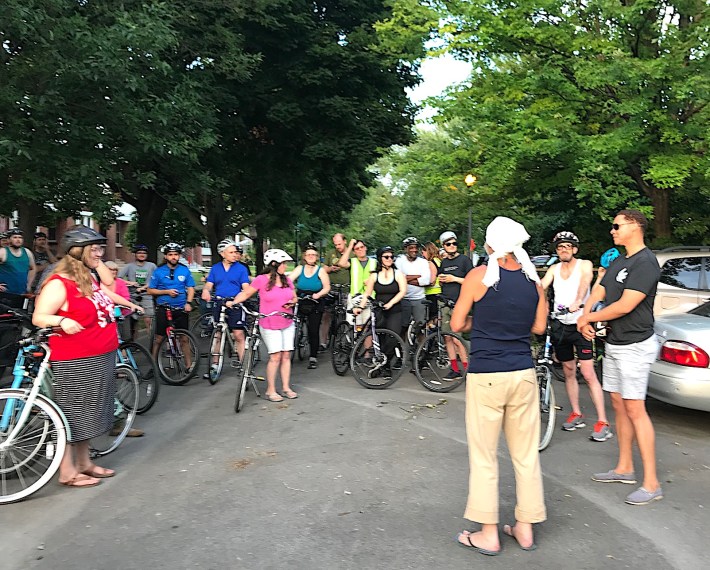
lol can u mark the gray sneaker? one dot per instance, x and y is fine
(612, 476)
(601, 432)
(643, 497)
(573, 422)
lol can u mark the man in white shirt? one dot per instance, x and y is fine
(416, 271)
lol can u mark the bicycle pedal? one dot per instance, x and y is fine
(235, 363)
(259, 378)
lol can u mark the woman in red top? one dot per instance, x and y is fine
(83, 354)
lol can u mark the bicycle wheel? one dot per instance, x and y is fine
(378, 369)
(432, 364)
(302, 345)
(175, 366)
(36, 451)
(140, 359)
(125, 409)
(342, 345)
(217, 346)
(202, 330)
(548, 409)
(243, 377)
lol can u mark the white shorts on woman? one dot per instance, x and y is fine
(279, 340)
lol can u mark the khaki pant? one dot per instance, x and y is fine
(507, 400)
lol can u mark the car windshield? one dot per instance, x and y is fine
(703, 310)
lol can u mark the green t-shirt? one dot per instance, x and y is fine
(341, 276)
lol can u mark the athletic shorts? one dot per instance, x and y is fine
(236, 317)
(279, 340)
(565, 338)
(181, 320)
(416, 307)
(627, 366)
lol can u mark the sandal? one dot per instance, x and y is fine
(274, 398)
(290, 394)
(103, 474)
(470, 545)
(508, 530)
(78, 479)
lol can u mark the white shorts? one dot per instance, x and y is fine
(626, 367)
(279, 340)
(362, 317)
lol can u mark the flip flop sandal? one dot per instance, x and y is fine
(291, 395)
(99, 475)
(274, 398)
(470, 545)
(76, 479)
(508, 531)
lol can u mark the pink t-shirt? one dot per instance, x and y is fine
(273, 300)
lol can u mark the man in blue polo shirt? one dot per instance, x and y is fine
(172, 284)
(226, 279)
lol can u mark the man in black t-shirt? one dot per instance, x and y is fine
(628, 289)
(452, 271)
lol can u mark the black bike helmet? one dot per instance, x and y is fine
(81, 236)
(565, 237)
(384, 249)
(172, 246)
(14, 232)
(140, 247)
(410, 241)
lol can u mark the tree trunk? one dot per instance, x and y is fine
(258, 250)
(150, 206)
(660, 199)
(28, 213)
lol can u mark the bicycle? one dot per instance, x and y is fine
(33, 429)
(378, 355)
(303, 308)
(221, 339)
(433, 356)
(176, 367)
(335, 306)
(246, 373)
(202, 328)
(341, 335)
(141, 361)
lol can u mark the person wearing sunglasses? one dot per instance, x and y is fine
(628, 289)
(571, 279)
(452, 272)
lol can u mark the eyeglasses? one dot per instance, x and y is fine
(116, 270)
(359, 247)
(388, 257)
(616, 227)
(448, 243)
(565, 246)
(98, 249)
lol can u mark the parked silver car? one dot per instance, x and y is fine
(685, 279)
(681, 373)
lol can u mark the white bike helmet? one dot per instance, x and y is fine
(446, 236)
(224, 244)
(276, 256)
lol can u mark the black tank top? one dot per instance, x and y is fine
(385, 293)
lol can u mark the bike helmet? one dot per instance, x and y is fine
(601, 328)
(224, 244)
(14, 232)
(608, 256)
(140, 247)
(446, 236)
(565, 237)
(3, 235)
(276, 256)
(240, 249)
(410, 241)
(40, 235)
(80, 236)
(172, 246)
(384, 249)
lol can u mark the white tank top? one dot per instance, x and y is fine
(566, 291)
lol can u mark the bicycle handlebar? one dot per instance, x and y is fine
(262, 315)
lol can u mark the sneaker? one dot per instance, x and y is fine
(452, 375)
(312, 363)
(612, 476)
(573, 422)
(643, 497)
(601, 432)
(323, 348)
(211, 374)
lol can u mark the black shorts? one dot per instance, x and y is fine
(236, 317)
(181, 320)
(565, 338)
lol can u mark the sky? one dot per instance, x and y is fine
(438, 73)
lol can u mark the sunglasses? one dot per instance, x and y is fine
(616, 227)
(451, 243)
(565, 246)
(388, 257)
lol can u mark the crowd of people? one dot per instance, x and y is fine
(499, 304)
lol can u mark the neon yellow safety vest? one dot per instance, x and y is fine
(434, 288)
(358, 275)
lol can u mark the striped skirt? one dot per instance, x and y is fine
(85, 389)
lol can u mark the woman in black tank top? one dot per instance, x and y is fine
(389, 287)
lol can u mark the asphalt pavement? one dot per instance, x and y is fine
(349, 478)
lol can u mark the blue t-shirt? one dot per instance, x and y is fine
(180, 278)
(227, 283)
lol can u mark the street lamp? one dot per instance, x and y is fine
(298, 227)
(470, 180)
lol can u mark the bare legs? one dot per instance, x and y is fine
(278, 362)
